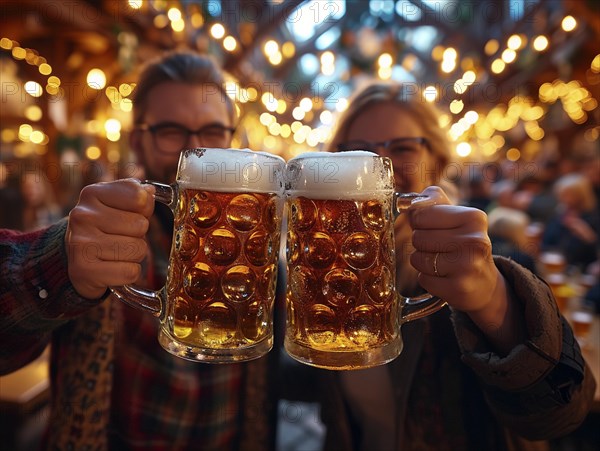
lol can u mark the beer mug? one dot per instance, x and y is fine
(343, 311)
(217, 304)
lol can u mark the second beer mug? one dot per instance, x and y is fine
(343, 311)
(217, 305)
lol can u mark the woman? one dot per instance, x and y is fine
(501, 322)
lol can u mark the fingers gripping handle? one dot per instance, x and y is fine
(412, 308)
(141, 298)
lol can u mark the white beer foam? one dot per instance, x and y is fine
(354, 174)
(231, 170)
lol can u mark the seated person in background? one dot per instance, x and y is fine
(507, 231)
(575, 228)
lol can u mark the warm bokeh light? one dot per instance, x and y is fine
(456, 106)
(448, 65)
(508, 55)
(19, 53)
(178, 25)
(463, 149)
(161, 21)
(491, 47)
(229, 43)
(306, 104)
(498, 66)
(217, 31)
(37, 137)
(540, 43)
(96, 79)
(513, 154)
(569, 23)
(6, 43)
(437, 53)
(288, 49)
(430, 94)
(595, 66)
(45, 69)
(385, 60)
(93, 152)
(134, 4)
(514, 42)
(174, 14)
(450, 54)
(33, 113)
(270, 47)
(33, 88)
(112, 126)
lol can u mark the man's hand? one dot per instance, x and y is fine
(105, 236)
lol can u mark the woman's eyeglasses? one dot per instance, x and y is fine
(396, 146)
(172, 137)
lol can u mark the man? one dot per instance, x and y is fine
(113, 385)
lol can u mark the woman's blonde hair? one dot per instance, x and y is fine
(406, 97)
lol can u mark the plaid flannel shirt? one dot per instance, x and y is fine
(148, 398)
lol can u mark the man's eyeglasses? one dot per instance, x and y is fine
(171, 137)
(396, 146)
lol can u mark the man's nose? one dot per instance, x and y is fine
(194, 141)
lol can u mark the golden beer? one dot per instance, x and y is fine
(341, 272)
(223, 267)
(217, 304)
(343, 311)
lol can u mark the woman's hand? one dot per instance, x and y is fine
(105, 237)
(453, 254)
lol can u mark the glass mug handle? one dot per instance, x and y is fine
(142, 298)
(416, 307)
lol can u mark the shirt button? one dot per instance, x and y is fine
(43, 294)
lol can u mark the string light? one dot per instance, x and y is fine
(540, 43)
(217, 31)
(569, 23)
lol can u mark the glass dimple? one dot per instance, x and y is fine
(303, 214)
(380, 285)
(259, 249)
(322, 325)
(341, 286)
(243, 212)
(303, 284)
(373, 214)
(217, 322)
(200, 282)
(205, 209)
(363, 325)
(267, 282)
(360, 250)
(222, 247)
(320, 250)
(271, 216)
(292, 247)
(184, 314)
(186, 242)
(338, 216)
(238, 283)
(173, 277)
(254, 322)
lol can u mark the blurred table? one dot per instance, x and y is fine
(24, 405)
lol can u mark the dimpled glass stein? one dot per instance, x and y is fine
(343, 311)
(217, 304)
